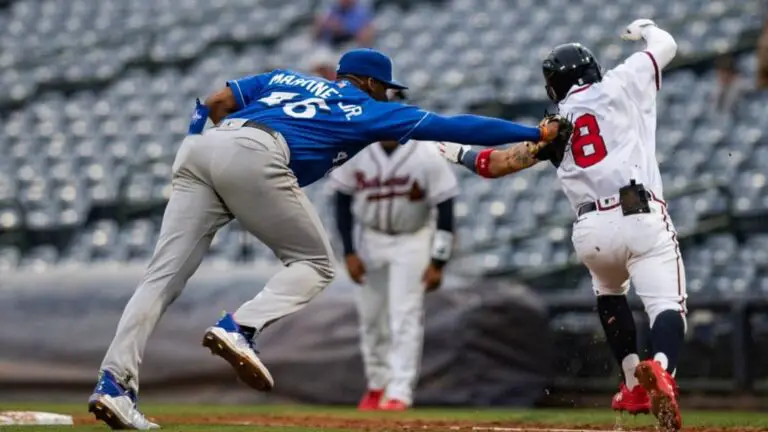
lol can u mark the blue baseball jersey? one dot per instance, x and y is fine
(327, 122)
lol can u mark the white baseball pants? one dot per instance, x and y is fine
(642, 248)
(391, 309)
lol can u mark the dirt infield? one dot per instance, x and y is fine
(385, 424)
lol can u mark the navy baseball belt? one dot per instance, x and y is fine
(262, 127)
(390, 232)
(633, 199)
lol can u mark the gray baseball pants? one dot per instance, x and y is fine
(230, 172)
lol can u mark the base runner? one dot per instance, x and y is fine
(623, 232)
(396, 256)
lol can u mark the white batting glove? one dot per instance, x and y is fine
(452, 152)
(634, 31)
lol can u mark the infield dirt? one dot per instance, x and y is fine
(287, 418)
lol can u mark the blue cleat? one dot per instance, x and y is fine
(116, 406)
(226, 340)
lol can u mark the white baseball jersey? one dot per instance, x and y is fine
(614, 142)
(614, 136)
(395, 193)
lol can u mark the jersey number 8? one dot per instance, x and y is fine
(303, 109)
(587, 144)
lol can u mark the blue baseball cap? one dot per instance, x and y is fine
(370, 63)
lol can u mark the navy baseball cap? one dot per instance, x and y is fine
(370, 63)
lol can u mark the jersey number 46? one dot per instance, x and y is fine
(587, 144)
(304, 109)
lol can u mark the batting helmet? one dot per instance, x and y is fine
(569, 65)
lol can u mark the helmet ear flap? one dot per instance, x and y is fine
(552, 94)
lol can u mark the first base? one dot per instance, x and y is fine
(33, 418)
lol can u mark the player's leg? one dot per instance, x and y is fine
(659, 279)
(373, 309)
(658, 276)
(406, 317)
(273, 208)
(191, 218)
(605, 257)
(251, 175)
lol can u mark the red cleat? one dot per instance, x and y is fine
(635, 401)
(393, 405)
(662, 389)
(371, 400)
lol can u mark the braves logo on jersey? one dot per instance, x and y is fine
(395, 192)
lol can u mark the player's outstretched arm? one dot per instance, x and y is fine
(478, 130)
(491, 163)
(497, 163)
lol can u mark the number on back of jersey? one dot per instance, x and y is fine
(304, 109)
(587, 145)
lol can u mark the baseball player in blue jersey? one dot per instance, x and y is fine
(273, 134)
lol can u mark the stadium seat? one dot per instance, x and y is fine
(73, 151)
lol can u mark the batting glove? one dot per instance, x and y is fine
(634, 31)
(452, 152)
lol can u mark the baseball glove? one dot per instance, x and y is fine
(552, 148)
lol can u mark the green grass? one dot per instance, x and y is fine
(389, 421)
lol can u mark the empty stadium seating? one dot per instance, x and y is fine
(99, 93)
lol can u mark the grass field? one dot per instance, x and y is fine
(331, 419)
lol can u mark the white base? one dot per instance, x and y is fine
(33, 418)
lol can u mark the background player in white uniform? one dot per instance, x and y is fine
(395, 254)
(611, 177)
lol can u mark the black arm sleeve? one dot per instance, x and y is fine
(445, 215)
(344, 221)
(444, 223)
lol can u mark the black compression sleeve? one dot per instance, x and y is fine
(344, 221)
(444, 223)
(445, 215)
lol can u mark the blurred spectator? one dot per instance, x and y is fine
(344, 22)
(762, 58)
(322, 62)
(731, 86)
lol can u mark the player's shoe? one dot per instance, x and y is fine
(371, 400)
(393, 405)
(116, 406)
(635, 401)
(662, 389)
(226, 340)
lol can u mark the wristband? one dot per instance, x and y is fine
(478, 162)
(483, 163)
(199, 118)
(442, 245)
